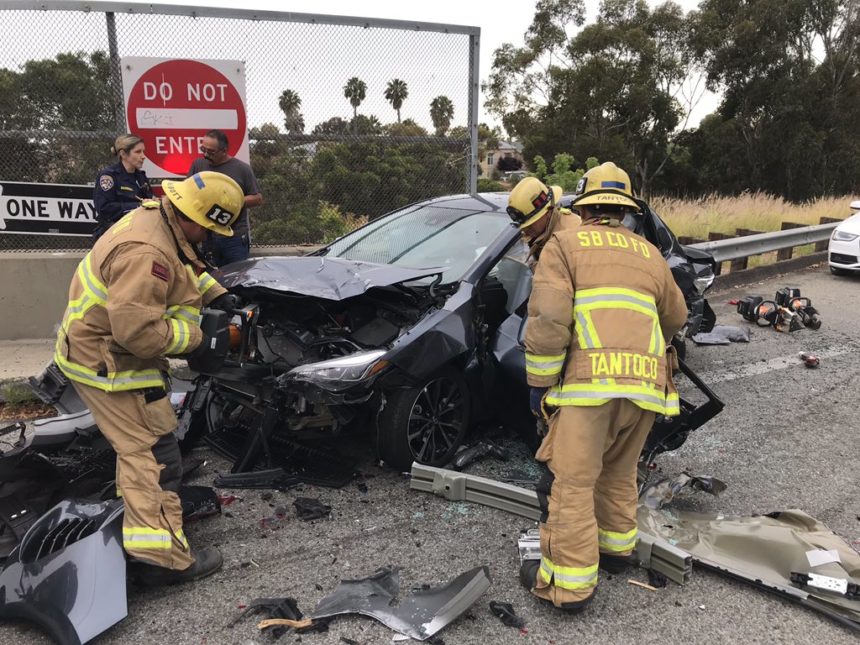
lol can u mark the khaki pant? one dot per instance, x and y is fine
(589, 497)
(139, 425)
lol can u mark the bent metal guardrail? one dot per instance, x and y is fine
(742, 247)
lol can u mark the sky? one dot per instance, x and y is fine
(500, 22)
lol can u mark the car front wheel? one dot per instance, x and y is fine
(426, 423)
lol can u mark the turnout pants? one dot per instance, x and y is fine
(589, 497)
(139, 424)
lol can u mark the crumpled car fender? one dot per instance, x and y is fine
(68, 574)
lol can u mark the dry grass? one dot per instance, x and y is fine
(755, 211)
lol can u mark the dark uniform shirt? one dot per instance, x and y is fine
(117, 192)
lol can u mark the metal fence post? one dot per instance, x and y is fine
(822, 246)
(115, 74)
(713, 235)
(474, 93)
(785, 254)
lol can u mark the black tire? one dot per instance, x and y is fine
(426, 423)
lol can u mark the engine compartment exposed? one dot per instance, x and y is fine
(289, 330)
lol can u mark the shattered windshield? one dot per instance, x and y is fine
(423, 237)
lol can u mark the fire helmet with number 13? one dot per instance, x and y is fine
(211, 199)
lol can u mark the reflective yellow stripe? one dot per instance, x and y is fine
(205, 282)
(544, 365)
(615, 294)
(181, 337)
(183, 312)
(181, 537)
(123, 223)
(593, 394)
(143, 537)
(586, 332)
(568, 577)
(113, 381)
(617, 542)
(588, 300)
(91, 284)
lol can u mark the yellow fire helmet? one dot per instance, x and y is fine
(530, 200)
(211, 199)
(604, 185)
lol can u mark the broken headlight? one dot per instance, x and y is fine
(340, 373)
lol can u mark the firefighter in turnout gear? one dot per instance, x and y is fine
(603, 309)
(534, 208)
(135, 298)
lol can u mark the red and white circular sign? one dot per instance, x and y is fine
(173, 103)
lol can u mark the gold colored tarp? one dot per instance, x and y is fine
(764, 550)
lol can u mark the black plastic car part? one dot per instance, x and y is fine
(68, 574)
(419, 615)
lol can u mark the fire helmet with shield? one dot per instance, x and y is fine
(211, 199)
(605, 185)
(530, 200)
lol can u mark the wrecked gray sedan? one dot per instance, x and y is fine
(410, 327)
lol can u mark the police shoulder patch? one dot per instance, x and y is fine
(160, 271)
(106, 182)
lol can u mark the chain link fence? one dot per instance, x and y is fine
(347, 118)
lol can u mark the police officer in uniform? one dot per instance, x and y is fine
(122, 187)
(136, 298)
(534, 207)
(602, 310)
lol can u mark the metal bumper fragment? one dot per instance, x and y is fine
(652, 552)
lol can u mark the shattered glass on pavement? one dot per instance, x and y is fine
(663, 491)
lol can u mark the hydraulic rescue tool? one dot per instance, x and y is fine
(787, 312)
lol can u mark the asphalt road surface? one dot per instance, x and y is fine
(787, 439)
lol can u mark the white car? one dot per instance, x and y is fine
(844, 250)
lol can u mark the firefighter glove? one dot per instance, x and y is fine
(226, 302)
(536, 395)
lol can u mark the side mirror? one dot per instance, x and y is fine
(855, 206)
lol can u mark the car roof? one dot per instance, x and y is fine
(487, 202)
(480, 202)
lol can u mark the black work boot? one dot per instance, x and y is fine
(578, 606)
(206, 562)
(528, 573)
(617, 563)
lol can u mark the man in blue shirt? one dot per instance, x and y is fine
(224, 250)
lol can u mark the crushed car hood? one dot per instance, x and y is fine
(319, 276)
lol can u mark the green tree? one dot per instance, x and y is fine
(332, 126)
(789, 121)
(441, 113)
(610, 89)
(70, 92)
(290, 103)
(395, 93)
(355, 90)
(362, 124)
(406, 129)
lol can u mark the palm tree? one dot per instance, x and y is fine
(441, 112)
(290, 103)
(395, 93)
(355, 90)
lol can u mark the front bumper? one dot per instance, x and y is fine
(844, 255)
